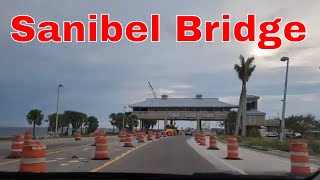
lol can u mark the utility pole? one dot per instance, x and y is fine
(56, 130)
(282, 134)
(124, 109)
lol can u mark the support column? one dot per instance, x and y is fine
(198, 124)
(165, 123)
(171, 122)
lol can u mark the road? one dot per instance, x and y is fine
(67, 155)
(170, 155)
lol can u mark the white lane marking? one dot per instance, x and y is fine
(64, 164)
(74, 161)
(87, 149)
(204, 153)
(54, 160)
(274, 157)
(82, 158)
(59, 158)
(117, 149)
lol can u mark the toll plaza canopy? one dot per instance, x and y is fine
(197, 108)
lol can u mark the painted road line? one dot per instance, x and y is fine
(55, 152)
(64, 164)
(74, 161)
(211, 157)
(59, 158)
(118, 157)
(54, 160)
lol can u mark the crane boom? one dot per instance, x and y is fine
(152, 90)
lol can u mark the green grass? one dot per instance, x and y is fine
(275, 144)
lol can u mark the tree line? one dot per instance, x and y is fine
(77, 121)
(130, 121)
(296, 123)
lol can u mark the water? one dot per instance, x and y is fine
(40, 131)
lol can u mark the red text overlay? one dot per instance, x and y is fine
(189, 28)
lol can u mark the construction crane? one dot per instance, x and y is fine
(154, 96)
(152, 90)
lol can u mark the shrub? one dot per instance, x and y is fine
(253, 132)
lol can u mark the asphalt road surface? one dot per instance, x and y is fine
(170, 155)
(67, 155)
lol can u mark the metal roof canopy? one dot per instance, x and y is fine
(182, 102)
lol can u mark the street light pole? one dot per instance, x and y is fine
(124, 109)
(56, 130)
(282, 134)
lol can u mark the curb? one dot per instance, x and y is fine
(257, 147)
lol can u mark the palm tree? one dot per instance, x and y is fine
(112, 120)
(244, 71)
(34, 117)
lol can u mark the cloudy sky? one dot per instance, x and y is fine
(101, 78)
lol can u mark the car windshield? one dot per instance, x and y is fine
(177, 87)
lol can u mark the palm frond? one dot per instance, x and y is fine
(250, 70)
(242, 61)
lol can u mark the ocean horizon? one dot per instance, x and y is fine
(39, 131)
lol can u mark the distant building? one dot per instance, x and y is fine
(195, 109)
(256, 118)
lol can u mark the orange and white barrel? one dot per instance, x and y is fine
(128, 141)
(196, 135)
(164, 134)
(141, 138)
(123, 137)
(16, 147)
(101, 151)
(77, 136)
(232, 149)
(149, 136)
(33, 158)
(199, 137)
(299, 158)
(202, 140)
(27, 137)
(158, 135)
(213, 142)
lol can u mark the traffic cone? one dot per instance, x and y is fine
(128, 141)
(27, 137)
(101, 152)
(213, 143)
(16, 147)
(33, 158)
(232, 149)
(299, 158)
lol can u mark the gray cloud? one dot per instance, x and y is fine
(100, 78)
